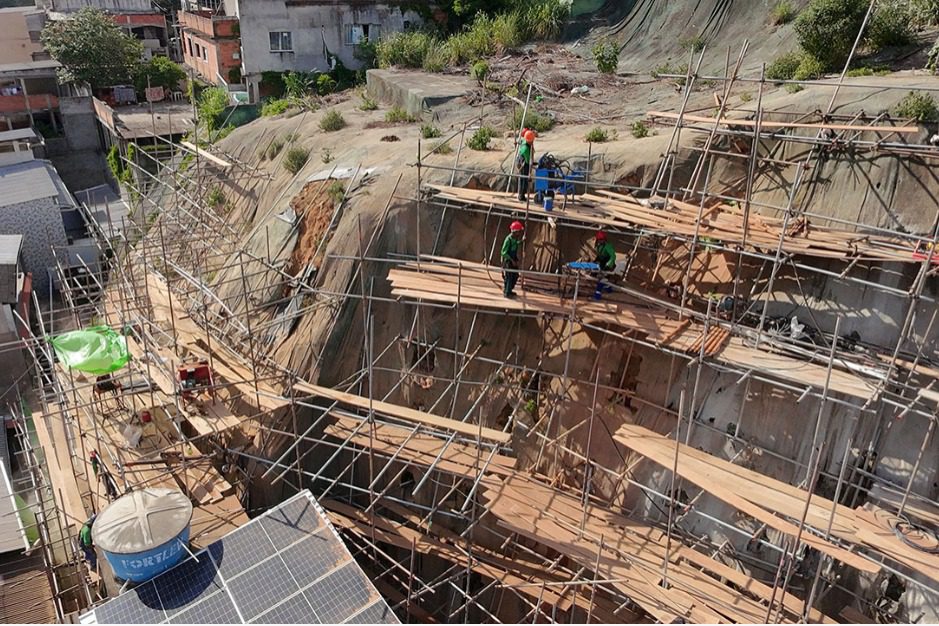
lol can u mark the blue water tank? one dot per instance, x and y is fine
(144, 533)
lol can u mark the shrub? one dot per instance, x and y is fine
(367, 103)
(868, 70)
(920, 107)
(473, 42)
(668, 68)
(809, 68)
(336, 191)
(639, 129)
(216, 197)
(783, 13)
(405, 49)
(274, 106)
(746, 96)
(295, 159)
(925, 12)
(543, 19)
(479, 71)
(932, 59)
(443, 148)
(326, 156)
(506, 32)
(325, 84)
(332, 121)
(212, 103)
(784, 67)
(538, 122)
(794, 88)
(694, 43)
(397, 114)
(481, 138)
(597, 135)
(274, 149)
(890, 25)
(826, 29)
(297, 84)
(606, 56)
(429, 131)
(436, 59)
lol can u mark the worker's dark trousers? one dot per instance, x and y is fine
(509, 278)
(523, 180)
(91, 556)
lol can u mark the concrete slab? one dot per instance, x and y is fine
(416, 91)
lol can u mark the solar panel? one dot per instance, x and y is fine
(287, 566)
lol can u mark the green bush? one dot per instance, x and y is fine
(606, 56)
(668, 68)
(429, 131)
(746, 96)
(436, 59)
(481, 138)
(274, 106)
(809, 68)
(336, 191)
(543, 19)
(479, 71)
(367, 103)
(443, 148)
(783, 13)
(639, 129)
(295, 159)
(215, 197)
(506, 32)
(925, 12)
(597, 135)
(332, 121)
(535, 120)
(325, 84)
(784, 67)
(161, 72)
(473, 42)
(826, 29)
(405, 49)
(397, 114)
(891, 25)
(694, 43)
(932, 59)
(297, 84)
(212, 103)
(794, 88)
(920, 107)
(868, 70)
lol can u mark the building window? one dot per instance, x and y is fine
(198, 51)
(189, 43)
(205, 53)
(281, 41)
(360, 33)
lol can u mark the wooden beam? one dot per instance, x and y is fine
(725, 121)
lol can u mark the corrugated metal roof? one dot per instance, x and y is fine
(10, 246)
(25, 595)
(26, 182)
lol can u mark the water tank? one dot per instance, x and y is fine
(143, 533)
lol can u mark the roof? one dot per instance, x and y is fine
(30, 181)
(25, 595)
(106, 208)
(12, 535)
(17, 134)
(47, 64)
(286, 566)
(10, 246)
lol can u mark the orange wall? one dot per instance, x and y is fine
(15, 45)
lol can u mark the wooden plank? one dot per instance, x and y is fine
(211, 157)
(725, 121)
(405, 413)
(61, 473)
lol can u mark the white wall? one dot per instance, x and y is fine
(310, 25)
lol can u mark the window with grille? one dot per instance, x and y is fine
(281, 41)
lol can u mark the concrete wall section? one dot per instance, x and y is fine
(314, 28)
(16, 45)
(78, 119)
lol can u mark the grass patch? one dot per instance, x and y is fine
(669, 68)
(332, 121)
(274, 106)
(481, 138)
(336, 191)
(295, 159)
(597, 135)
(783, 13)
(694, 43)
(429, 131)
(443, 148)
(794, 88)
(784, 67)
(873, 70)
(398, 114)
(920, 107)
(639, 129)
(746, 96)
(326, 156)
(216, 197)
(535, 120)
(367, 103)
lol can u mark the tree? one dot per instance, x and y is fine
(161, 72)
(92, 49)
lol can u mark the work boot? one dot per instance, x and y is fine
(597, 295)
(511, 295)
(522, 199)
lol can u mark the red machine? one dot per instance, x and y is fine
(194, 377)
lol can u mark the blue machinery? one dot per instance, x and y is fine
(554, 177)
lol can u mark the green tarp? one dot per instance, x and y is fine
(96, 350)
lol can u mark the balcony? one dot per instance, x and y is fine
(37, 102)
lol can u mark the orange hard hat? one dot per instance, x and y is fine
(601, 236)
(516, 226)
(529, 135)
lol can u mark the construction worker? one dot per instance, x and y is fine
(87, 544)
(526, 156)
(510, 248)
(606, 261)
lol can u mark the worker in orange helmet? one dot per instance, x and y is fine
(510, 248)
(526, 156)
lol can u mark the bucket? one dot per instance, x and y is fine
(549, 203)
